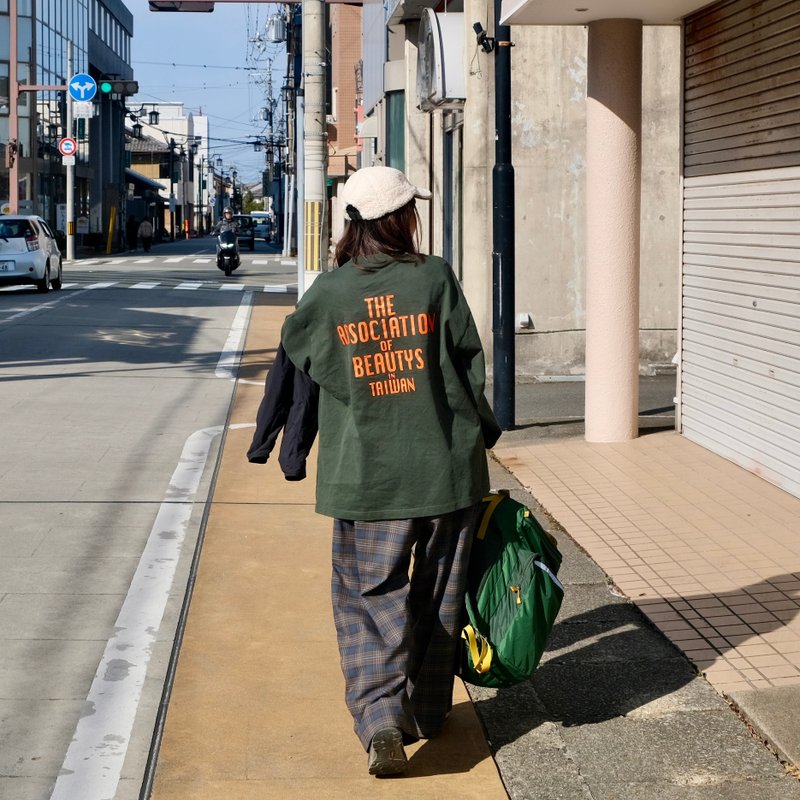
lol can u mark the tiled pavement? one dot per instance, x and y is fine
(708, 551)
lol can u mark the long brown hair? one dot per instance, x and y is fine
(394, 234)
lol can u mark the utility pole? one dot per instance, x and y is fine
(503, 256)
(171, 190)
(314, 135)
(70, 169)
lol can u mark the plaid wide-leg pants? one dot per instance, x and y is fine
(399, 633)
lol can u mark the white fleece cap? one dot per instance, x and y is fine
(372, 192)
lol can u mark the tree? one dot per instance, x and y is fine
(250, 203)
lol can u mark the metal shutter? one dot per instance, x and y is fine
(740, 361)
(742, 87)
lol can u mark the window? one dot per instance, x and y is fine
(396, 130)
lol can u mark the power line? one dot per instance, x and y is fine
(191, 66)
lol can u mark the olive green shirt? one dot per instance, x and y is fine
(402, 412)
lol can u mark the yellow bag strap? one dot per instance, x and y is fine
(481, 658)
(492, 501)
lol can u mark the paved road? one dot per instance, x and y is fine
(114, 393)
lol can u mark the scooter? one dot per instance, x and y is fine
(227, 252)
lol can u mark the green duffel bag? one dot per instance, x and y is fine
(513, 595)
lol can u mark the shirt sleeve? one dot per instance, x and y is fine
(468, 352)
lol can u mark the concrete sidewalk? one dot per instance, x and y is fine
(257, 709)
(672, 557)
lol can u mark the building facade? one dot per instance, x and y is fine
(99, 34)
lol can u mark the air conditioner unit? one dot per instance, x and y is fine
(440, 61)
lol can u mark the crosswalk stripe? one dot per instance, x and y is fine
(276, 289)
(145, 285)
(68, 285)
(103, 285)
(202, 261)
(288, 262)
(189, 285)
(143, 260)
(173, 259)
(233, 287)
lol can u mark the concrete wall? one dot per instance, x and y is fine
(549, 142)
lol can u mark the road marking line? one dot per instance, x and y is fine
(288, 262)
(50, 303)
(68, 285)
(269, 288)
(202, 260)
(145, 285)
(189, 285)
(103, 285)
(144, 260)
(118, 261)
(173, 259)
(260, 261)
(231, 355)
(15, 288)
(232, 287)
(94, 760)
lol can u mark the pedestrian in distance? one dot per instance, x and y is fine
(146, 234)
(403, 429)
(132, 232)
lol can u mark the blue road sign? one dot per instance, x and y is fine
(82, 87)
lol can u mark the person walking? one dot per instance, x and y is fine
(131, 232)
(146, 234)
(403, 429)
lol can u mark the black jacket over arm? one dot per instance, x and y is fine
(289, 403)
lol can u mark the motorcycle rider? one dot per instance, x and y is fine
(227, 223)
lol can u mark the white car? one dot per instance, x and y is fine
(28, 252)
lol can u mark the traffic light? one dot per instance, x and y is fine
(117, 86)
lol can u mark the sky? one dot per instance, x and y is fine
(210, 63)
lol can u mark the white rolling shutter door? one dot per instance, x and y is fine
(740, 361)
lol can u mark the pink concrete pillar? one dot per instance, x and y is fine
(613, 190)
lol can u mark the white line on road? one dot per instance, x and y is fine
(269, 288)
(94, 760)
(50, 303)
(231, 354)
(103, 285)
(202, 260)
(232, 287)
(174, 259)
(260, 261)
(189, 285)
(288, 262)
(144, 260)
(145, 285)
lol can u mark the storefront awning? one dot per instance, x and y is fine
(557, 12)
(136, 177)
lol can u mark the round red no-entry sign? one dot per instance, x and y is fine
(67, 146)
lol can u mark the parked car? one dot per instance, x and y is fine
(247, 230)
(263, 223)
(28, 252)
